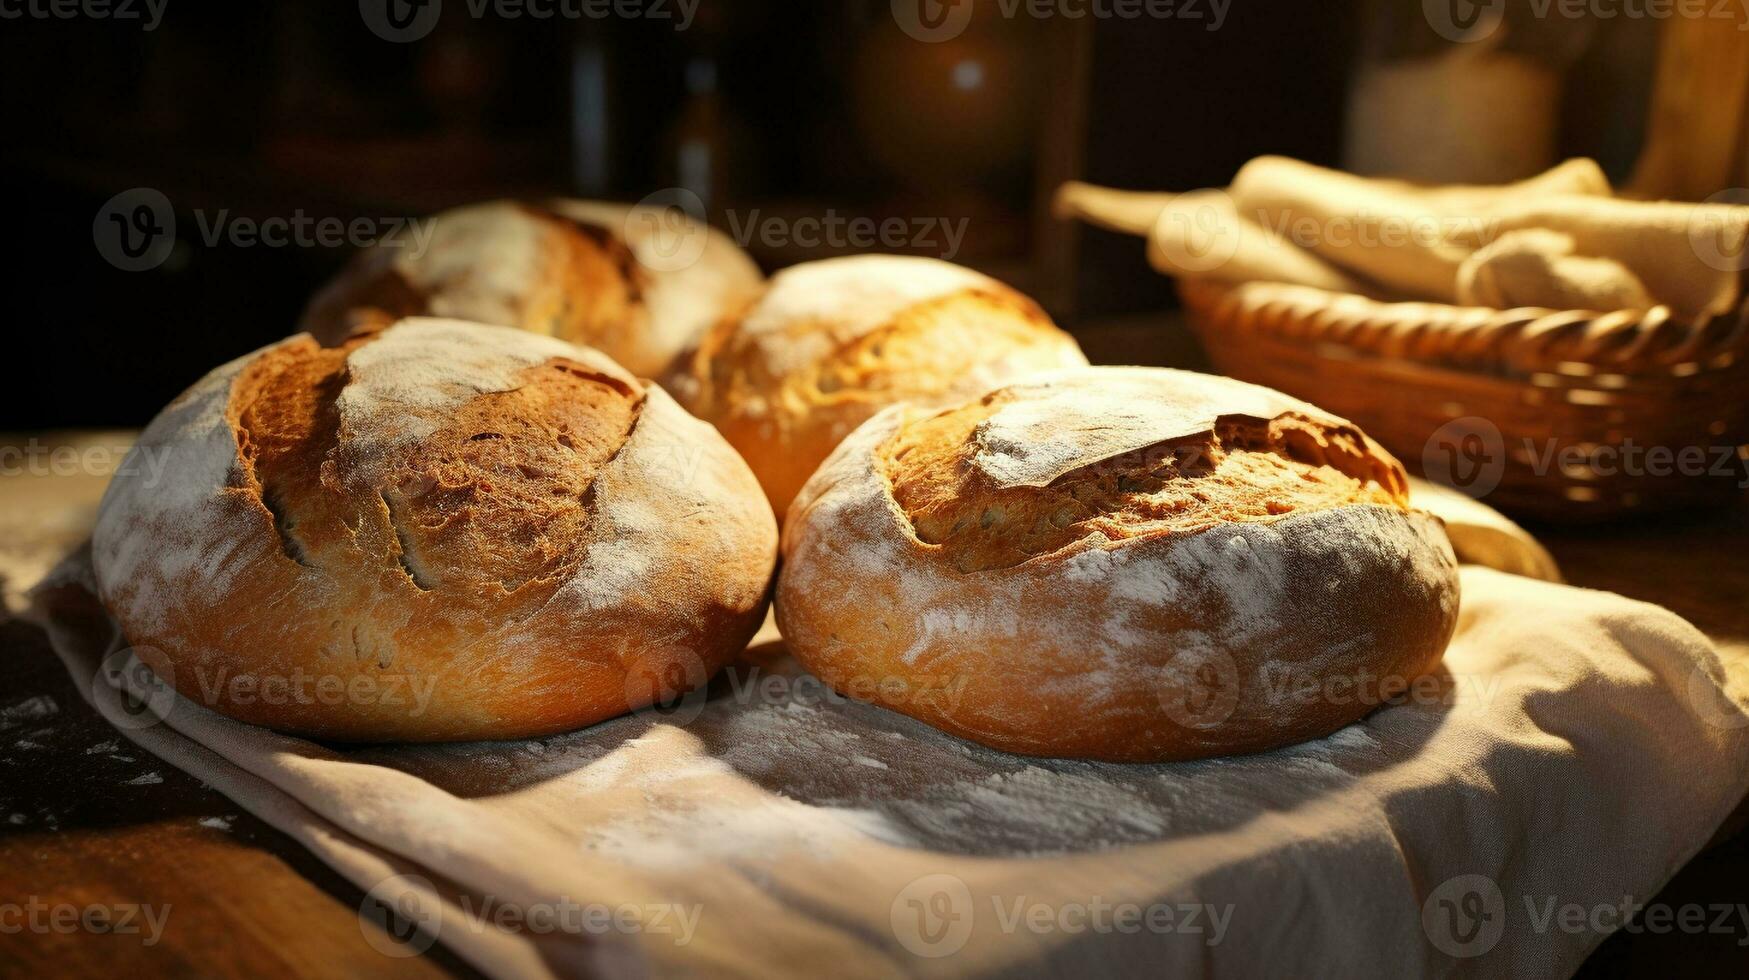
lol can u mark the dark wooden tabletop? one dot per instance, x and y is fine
(89, 820)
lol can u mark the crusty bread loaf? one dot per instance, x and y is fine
(1127, 564)
(831, 343)
(436, 531)
(638, 284)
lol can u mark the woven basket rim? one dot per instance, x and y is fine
(1524, 339)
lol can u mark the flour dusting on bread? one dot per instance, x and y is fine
(1052, 425)
(477, 508)
(833, 342)
(1088, 648)
(480, 263)
(403, 386)
(843, 299)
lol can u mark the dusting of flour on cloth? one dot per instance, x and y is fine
(769, 827)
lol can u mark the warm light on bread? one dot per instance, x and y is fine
(512, 532)
(1117, 563)
(833, 342)
(639, 284)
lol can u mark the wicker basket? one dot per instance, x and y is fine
(1557, 415)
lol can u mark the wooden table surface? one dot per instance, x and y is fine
(87, 818)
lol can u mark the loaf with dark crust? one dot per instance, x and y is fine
(1127, 564)
(434, 531)
(831, 343)
(641, 285)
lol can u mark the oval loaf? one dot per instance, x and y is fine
(436, 531)
(1127, 564)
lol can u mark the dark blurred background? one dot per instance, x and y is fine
(765, 108)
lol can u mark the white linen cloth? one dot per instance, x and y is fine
(1579, 749)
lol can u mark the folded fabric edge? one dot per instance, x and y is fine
(495, 952)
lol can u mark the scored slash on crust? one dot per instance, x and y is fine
(1134, 630)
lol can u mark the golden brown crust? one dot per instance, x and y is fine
(1271, 591)
(594, 291)
(834, 342)
(461, 531)
(560, 268)
(497, 496)
(1243, 469)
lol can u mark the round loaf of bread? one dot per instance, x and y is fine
(639, 284)
(436, 531)
(831, 343)
(1127, 564)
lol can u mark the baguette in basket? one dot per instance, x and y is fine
(1559, 240)
(1540, 343)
